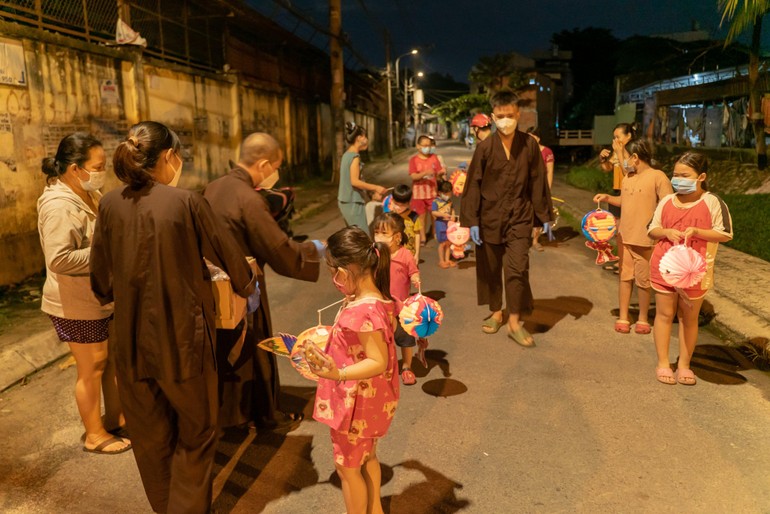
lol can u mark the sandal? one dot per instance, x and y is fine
(685, 376)
(491, 325)
(642, 327)
(407, 377)
(100, 448)
(622, 326)
(521, 337)
(665, 376)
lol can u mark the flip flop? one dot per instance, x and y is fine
(622, 326)
(104, 444)
(408, 378)
(491, 325)
(642, 327)
(520, 337)
(685, 376)
(665, 376)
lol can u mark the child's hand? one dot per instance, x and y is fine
(674, 235)
(320, 363)
(601, 198)
(689, 233)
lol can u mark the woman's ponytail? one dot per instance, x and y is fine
(381, 269)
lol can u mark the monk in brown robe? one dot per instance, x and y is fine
(249, 383)
(505, 192)
(147, 257)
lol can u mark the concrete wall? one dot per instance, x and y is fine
(79, 87)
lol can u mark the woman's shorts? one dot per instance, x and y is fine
(692, 293)
(403, 339)
(352, 452)
(81, 330)
(421, 206)
(636, 265)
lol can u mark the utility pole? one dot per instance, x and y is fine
(390, 100)
(338, 84)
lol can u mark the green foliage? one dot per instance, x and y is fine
(590, 178)
(461, 107)
(742, 14)
(751, 223)
(496, 71)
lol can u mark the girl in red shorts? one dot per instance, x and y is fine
(700, 219)
(358, 390)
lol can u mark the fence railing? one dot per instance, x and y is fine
(183, 31)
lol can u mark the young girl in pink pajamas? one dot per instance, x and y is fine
(358, 390)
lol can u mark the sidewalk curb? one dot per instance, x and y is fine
(29, 355)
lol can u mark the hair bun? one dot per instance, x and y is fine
(350, 126)
(133, 140)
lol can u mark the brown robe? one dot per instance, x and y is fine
(503, 197)
(147, 257)
(249, 387)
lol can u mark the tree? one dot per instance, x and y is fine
(462, 107)
(496, 72)
(744, 14)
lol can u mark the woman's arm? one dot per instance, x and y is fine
(355, 178)
(549, 173)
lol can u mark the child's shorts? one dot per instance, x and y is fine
(403, 339)
(421, 206)
(352, 452)
(636, 265)
(693, 293)
(441, 235)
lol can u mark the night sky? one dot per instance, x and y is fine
(456, 33)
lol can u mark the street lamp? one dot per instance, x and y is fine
(398, 83)
(412, 52)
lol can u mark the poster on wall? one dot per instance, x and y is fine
(12, 66)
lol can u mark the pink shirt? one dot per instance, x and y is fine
(424, 188)
(709, 213)
(402, 268)
(360, 408)
(547, 154)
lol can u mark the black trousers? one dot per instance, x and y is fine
(174, 434)
(248, 377)
(504, 267)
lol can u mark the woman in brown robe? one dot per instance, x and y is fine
(147, 257)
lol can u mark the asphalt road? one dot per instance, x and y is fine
(576, 424)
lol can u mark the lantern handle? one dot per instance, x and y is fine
(327, 307)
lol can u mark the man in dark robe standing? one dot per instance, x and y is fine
(506, 192)
(249, 383)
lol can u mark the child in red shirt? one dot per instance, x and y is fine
(424, 168)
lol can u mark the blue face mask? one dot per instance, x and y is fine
(432, 150)
(425, 150)
(684, 186)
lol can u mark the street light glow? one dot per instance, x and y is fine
(414, 52)
(420, 74)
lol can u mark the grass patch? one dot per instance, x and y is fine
(590, 178)
(751, 223)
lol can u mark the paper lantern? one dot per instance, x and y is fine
(599, 225)
(457, 236)
(682, 267)
(458, 182)
(386, 203)
(287, 345)
(420, 316)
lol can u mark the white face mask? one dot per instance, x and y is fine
(177, 174)
(506, 126)
(382, 238)
(269, 181)
(95, 180)
(444, 197)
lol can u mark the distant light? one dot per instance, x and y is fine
(541, 88)
(531, 81)
(420, 74)
(695, 77)
(414, 52)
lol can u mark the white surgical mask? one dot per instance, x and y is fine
(95, 180)
(177, 174)
(382, 238)
(444, 197)
(269, 181)
(506, 126)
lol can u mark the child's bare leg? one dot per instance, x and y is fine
(688, 319)
(447, 250)
(644, 303)
(353, 489)
(423, 227)
(441, 259)
(625, 288)
(406, 357)
(373, 477)
(665, 309)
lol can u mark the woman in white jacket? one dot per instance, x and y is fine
(66, 217)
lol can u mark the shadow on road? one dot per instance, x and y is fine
(435, 295)
(434, 358)
(720, 364)
(549, 312)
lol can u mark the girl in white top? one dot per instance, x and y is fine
(66, 218)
